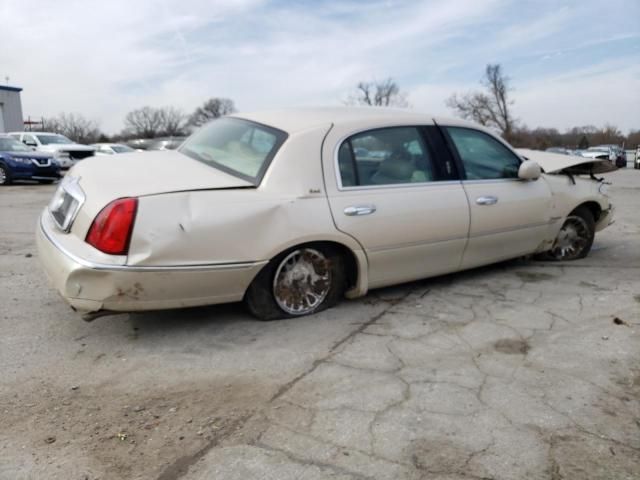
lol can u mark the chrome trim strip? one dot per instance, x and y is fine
(144, 268)
(451, 239)
(398, 185)
(416, 244)
(513, 229)
(491, 180)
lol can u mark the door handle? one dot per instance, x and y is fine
(358, 210)
(487, 200)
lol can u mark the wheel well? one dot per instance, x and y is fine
(593, 207)
(350, 262)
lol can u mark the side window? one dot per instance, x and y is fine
(29, 140)
(385, 156)
(483, 157)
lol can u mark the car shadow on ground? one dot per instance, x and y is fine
(213, 318)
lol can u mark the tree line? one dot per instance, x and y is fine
(144, 122)
(491, 106)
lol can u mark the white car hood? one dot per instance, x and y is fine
(148, 173)
(556, 162)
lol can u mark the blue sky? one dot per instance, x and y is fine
(570, 62)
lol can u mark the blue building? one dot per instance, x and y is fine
(10, 109)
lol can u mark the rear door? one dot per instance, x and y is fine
(388, 189)
(509, 216)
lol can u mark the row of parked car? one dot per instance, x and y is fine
(41, 156)
(615, 153)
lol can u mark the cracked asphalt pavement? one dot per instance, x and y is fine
(519, 370)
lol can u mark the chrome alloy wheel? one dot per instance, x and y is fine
(572, 239)
(302, 281)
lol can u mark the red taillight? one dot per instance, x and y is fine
(111, 230)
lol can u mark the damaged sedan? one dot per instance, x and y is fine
(291, 210)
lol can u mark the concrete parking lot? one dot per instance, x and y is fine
(522, 370)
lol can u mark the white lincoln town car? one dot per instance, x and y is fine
(290, 210)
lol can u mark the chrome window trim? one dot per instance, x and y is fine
(143, 268)
(400, 185)
(336, 165)
(491, 180)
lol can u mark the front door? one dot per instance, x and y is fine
(407, 210)
(509, 217)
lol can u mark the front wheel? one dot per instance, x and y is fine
(575, 238)
(5, 175)
(300, 281)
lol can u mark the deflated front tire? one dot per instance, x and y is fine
(575, 238)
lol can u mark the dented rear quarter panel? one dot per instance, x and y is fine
(288, 208)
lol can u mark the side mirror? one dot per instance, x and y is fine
(529, 170)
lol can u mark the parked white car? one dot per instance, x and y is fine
(111, 148)
(290, 210)
(66, 152)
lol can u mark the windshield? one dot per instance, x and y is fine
(11, 145)
(121, 149)
(239, 147)
(49, 139)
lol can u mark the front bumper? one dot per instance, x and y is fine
(606, 218)
(92, 289)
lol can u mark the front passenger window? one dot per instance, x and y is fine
(483, 157)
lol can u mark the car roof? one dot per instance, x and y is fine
(293, 120)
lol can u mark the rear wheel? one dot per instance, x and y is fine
(575, 238)
(300, 281)
(5, 175)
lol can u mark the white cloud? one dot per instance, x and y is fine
(103, 59)
(595, 95)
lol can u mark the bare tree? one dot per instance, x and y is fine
(173, 121)
(145, 122)
(149, 122)
(212, 108)
(73, 126)
(491, 107)
(379, 94)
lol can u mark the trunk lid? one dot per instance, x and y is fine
(149, 173)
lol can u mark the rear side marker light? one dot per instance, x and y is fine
(111, 230)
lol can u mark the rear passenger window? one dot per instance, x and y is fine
(385, 156)
(483, 157)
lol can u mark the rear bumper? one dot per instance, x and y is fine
(94, 288)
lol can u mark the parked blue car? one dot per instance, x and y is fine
(19, 162)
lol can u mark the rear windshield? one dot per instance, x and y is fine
(239, 147)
